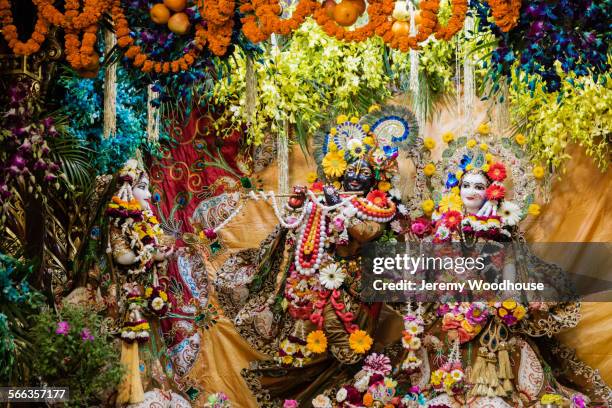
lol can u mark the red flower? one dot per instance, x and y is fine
(377, 198)
(452, 219)
(317, 186)
(497, 172)
(496, 192)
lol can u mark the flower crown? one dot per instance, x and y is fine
(375, 138)
(483, 162)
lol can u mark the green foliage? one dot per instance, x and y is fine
(17, 301)
(88, 365)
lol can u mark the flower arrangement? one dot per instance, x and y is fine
(510, 311)
(26, 151)
(293, 352)
(157, 300)
(466, 318)
(411, 340)
(449, 378)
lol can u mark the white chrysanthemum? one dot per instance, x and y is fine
(363, 383)
(396, 226)
(353, 144)
(395, 193)
(413, 328)
(157, 304)
(510, 213)
(332, 276)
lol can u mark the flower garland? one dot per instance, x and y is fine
(140, 59)
(219, 24)
(81, 54)
(378, 12)
(455, 23)
(265, 20)
(91, 14)
(9, 31)
(506, 13)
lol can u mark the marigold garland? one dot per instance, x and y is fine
(219, 24)
(91, 14)
(505, 13)
(141, 59)
(265, 20)
(9, 31)
(455, 23)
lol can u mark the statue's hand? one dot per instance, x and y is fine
(488, 209)
(331, 195)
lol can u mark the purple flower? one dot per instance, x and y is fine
(476, 314)
(86, 335)
(509, 319)
(62, 328)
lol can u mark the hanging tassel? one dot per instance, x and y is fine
(494, 387)
(478, 374)
(110, 88)
(130, 389)
(505, 372)
(152, 116)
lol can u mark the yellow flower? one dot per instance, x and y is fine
(368, 140)
(448, 137)
(287, 359)
(519, 312)
(538, 172)
(373, 108)
(436, 377)
(459, 174)
(485, 167)
(163, 295)
(428, 206)
(509, 304)
(360, 341)
(468, 327)
(429, 143)
(455, 190)
(520, 139)
(337, 185)
(484, 147)
(316, 342)
(484, 129)
(332, 147)
(450, 202)
(148, 292)
(449, 381)
(354, 119)
(366, 128)
(502, 312)
(384, 186)
(311, 177)
(534, 209)
(469, 167)
(551, 399)
(429, 169)
(333, 131)
(334, 164)
(471, 143)
(489, 157)
(341, 119)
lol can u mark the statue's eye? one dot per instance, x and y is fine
(366, 172)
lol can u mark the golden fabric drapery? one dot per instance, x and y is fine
(578, 212)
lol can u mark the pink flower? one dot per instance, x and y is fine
(339, 223)
(86, 335)
(290, 404)
(420, 226)
(62, 328)
(377, 364)
(210, 233)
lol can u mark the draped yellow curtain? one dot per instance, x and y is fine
(578, 212)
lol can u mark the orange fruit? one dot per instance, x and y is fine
(179, 23)
(159, 14)
(400, 28)
(360, 5)
(345, 13)
(329, 7)
(176, 5)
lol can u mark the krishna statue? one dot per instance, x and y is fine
(296, 298)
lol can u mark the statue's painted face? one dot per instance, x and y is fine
(358, 177)
(473, 187)
(141, 193)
